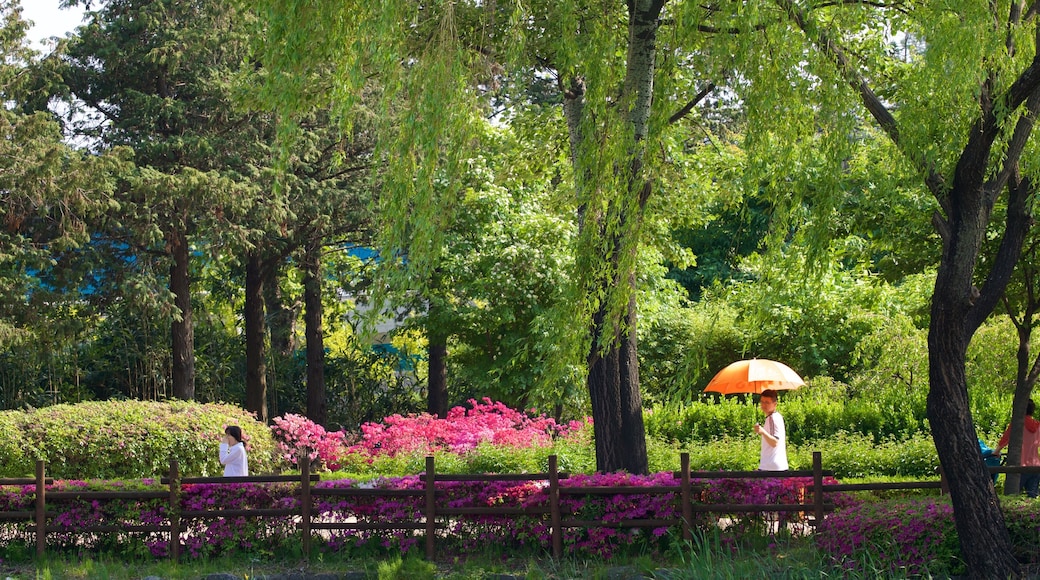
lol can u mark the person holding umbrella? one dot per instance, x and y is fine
(773, 435)
(764, 377)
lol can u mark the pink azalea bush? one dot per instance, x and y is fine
(461, 431)
(486, 429)
(298, 436)
(204, 536)
(912, 537)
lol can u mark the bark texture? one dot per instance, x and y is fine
(317, 406)
(613, 367)
(182, 330)
(256, 347)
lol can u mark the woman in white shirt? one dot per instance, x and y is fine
(233, 452)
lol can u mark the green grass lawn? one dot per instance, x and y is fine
(706, 558)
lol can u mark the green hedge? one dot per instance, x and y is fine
(848, 455)
(126, 439)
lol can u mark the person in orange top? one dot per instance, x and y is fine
(1030, 447)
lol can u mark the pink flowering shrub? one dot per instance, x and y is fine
(462, 431)
(913, 537)
(207, 536)
(890, 537)
(297, 436)
(486, 434)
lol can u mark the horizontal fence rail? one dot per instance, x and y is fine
(689, 495)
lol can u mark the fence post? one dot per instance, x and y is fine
(431, 506)
(554, 508)
(175, 510)
(41, 509)
(687, 499)
(305, 503)
(817, 476)
(944, 486)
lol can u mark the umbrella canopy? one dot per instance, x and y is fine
(754, 376)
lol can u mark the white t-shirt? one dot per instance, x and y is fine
(233, 459)
(774, 458)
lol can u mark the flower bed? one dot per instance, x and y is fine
(915, 536)
(208, 536)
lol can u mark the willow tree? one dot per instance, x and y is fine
(955, 88)
(438, 65)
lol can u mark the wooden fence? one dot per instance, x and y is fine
(433, 514)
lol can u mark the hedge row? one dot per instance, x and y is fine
(114, 439)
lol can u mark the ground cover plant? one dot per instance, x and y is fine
(916, 536)
(205, 537)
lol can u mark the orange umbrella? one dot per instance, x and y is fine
(754, 376)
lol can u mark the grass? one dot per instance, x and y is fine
(708, 557)
(692, 564)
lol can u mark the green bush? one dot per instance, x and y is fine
(12, 453)
(847, 455)
(726, 453)
(851, 455)
(121, 439)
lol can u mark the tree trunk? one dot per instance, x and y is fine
(613, 367)
(985, 543)
(617, 409)
(281, 323)
(256, 355)
(437, 351)
(182, 331)
(281, 319)
(1027, 366)
(958, 308)
(437, 396)
(317, 408)
(1013, 481)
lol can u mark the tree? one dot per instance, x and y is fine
(49, 194)
(1021, 302)
(152, 75)
(961, 112)
(436, 66)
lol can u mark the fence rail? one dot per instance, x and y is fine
(688, 493)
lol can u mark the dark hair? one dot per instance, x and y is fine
(235, 431)
(1030, 407)
(770, 394)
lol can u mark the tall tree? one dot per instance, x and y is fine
(1021, 303)
(49, 194)
(152, 76)
(960, 110)
(435, 66)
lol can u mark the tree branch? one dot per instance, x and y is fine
(1032, 12)
(1019, 139)
(832, 50)
(1020, 190)
(700, 96)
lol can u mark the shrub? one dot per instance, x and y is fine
(461, 431)
(913, 537)
(298, 436)
(13, 462)
(137, 439)
(1022, 517)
